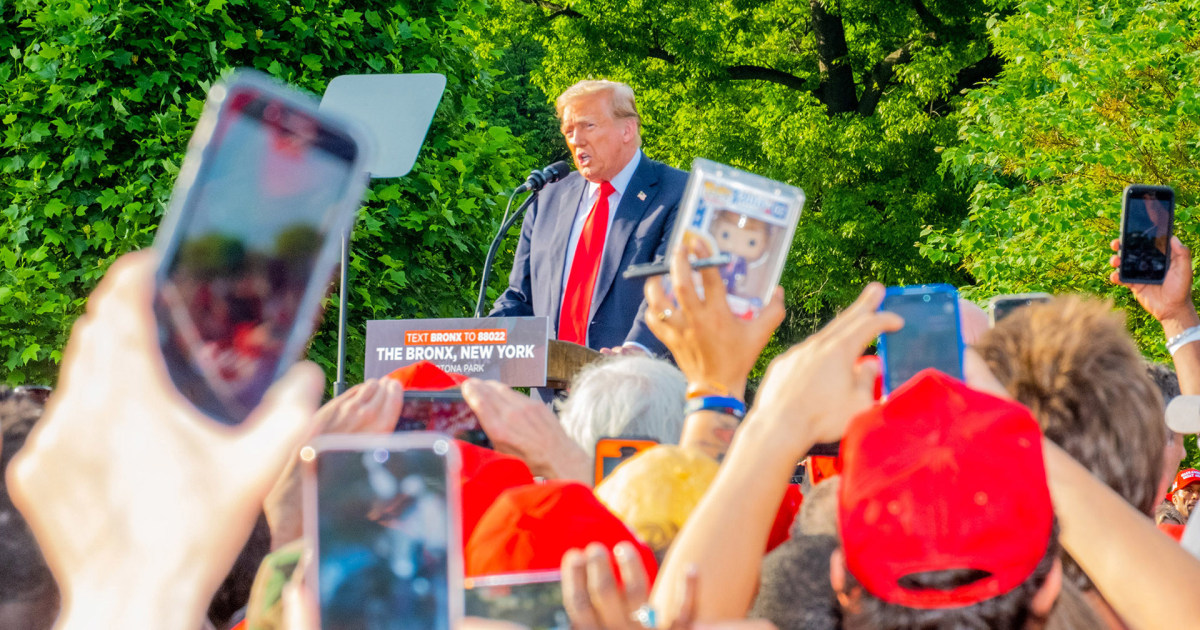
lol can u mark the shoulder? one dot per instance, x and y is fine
(668, 176)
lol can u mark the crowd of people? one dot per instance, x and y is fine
(1022, 497)
(1042, 490)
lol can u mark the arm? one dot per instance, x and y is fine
(1132, 564)
(726, 534)
(1171, 304)
(158, 500)
(517, 299)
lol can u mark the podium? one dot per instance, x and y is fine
(564, 360)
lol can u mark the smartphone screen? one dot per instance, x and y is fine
(443, 412)
(534, 600)
(931, 337)
(384, 538)
(1002, 306)
(237, 292)
(1146, 223)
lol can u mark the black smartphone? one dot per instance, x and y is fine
(382, 512)
(1147, 221)
(444, 412)
(249, 243)
(533, 599)
(1002, 306)
(931, 337)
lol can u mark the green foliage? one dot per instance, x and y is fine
(98, 99)
(1094, 96)
(743, 83)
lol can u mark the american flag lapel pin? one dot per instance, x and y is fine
(641, 195)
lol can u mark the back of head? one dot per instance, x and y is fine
(944, 511)
(625, 396)
(28, 593)
(1072, 363)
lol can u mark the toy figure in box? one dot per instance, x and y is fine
(745, 239)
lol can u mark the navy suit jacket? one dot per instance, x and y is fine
(641, 230)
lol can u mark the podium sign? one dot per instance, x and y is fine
(511, 350)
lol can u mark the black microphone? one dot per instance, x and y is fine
(538, 179)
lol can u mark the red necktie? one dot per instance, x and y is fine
(581, 283)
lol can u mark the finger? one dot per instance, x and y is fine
(299, 606)
(656, 296)
(633, 574)
(856, 333)
(345, 410)
(390, 409)
(867, 371)
(479, 398)
(682, 282)
(131, 277)
(1115, 244)
(281, 421)
(577, 600)
(602, 586)
(714, 287)
(1115, 278)
(773, 312)
(1114, 261)
(606, 351)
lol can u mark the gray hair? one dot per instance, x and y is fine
(625, 396)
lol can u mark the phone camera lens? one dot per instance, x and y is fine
(441, 447)
(381, 455)
(926, 298)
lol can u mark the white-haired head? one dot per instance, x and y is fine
(625, 396)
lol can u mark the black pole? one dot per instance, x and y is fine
(339, 385)
(491, 255)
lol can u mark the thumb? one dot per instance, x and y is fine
(284, 418)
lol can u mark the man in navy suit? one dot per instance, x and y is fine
(617, 209)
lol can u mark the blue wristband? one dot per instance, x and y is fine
(721, 404)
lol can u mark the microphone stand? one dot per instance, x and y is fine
(491, 255)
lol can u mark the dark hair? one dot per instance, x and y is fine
(1072, 363)
(794, 591)
(1008, 611)
(1166, 380)
(24, 576)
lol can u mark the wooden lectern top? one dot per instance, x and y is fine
(564, 360)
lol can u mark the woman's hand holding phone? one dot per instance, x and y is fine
(138, 501)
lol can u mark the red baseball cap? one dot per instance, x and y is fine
(943, 477)
(530, 528)
(485, 475)
(425, 376)
(1185, 478)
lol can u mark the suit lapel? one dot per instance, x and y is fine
(559, 235)
(629, 214)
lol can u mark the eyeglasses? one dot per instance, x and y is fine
(37, 393)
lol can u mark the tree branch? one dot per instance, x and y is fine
(987, 68)
(759, 73)
(557, 10)
(881, 76)
(931, 21)
(837, 89)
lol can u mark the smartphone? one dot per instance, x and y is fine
(1002, 306)
(444, 412)
(383, 514)
(533, 599)
(1147, 220)
(931, 337)
(610, 452)
(250, 241)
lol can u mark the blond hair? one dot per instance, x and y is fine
(621, 100)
